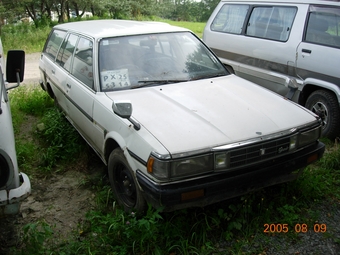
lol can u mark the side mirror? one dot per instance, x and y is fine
(15, 66)
(124, 110)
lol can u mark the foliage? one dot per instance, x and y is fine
(35, 237)
(24, 36)
(56, 134)
(43, 12)
(30, 100)
(62, 140)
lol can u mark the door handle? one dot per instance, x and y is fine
(68, 85)
(306, 51)
(53, 71)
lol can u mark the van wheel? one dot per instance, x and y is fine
(325, 104)
(123, 183)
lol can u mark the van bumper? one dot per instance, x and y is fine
(10, 199)
(205, 190)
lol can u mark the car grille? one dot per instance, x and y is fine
(258, 152)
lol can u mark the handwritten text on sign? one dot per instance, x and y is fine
(115, 79)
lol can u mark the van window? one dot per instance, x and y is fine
(230, 19)
(66, 51)
(324, 26)
(54, 42)
(272, 23)
(82, 67)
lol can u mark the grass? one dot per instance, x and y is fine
(232, 227)
(25, 37)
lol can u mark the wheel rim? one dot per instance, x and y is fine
(321, 110)
(125, 185)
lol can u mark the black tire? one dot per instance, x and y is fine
(325, 104)
(50, 91)
(123, 183)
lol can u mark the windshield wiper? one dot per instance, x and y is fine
(145, 83)
(207, 76)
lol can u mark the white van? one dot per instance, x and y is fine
(290, 47)
(14, 186)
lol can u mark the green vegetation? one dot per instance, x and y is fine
(235, 226)
(25, 37)
(32, 39)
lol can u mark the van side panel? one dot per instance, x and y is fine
(263, 61)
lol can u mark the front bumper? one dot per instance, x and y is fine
(205, 190)
(10, 199)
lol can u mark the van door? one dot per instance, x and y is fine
(318, 55)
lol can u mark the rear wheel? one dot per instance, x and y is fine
(123, 183)
(326, 106)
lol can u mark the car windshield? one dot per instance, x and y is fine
(154, 59)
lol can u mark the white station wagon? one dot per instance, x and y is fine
(175, 129)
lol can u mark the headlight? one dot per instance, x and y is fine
(191, 166)
(221, 160)
(309, 136)
(293, 142)
(174, 169)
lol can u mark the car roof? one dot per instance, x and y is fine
(324, 2)
(109, 28)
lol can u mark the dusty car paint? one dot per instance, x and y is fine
(173, 126)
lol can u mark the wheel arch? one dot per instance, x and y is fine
(311, 86)
(110, 145)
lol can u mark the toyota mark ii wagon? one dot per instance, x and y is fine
(173, 126)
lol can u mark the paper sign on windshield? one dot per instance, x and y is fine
(115, 79)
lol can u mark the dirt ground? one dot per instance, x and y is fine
(61, 200)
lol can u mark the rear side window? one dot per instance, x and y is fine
(271, 22)
(54, 41)
(323, 26)
(230, 18)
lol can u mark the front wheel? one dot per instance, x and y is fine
(326, 106)
(123, 183)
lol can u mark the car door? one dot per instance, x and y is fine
(63, 66)
(81, 93)
(55, 74)
(318, 55)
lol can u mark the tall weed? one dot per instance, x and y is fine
(62, 140)
(24, 36)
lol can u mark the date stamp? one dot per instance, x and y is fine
(298, 228)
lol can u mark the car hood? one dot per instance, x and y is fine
(199, 115)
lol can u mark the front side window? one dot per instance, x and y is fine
(54, 41)
(323, 26)
(66, 51)
(230, 18)
(270, 22)
(154, 59)
(82, 67)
